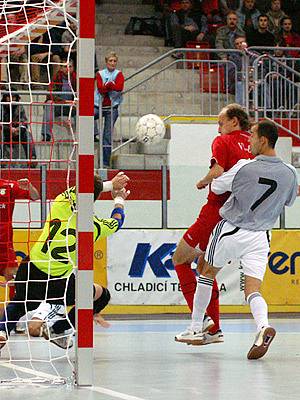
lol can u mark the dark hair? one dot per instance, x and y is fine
(235, 110)
(269, 130)
(283, 19)
(98, 186)
(263, 15)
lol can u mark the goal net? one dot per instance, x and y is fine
(41, 118)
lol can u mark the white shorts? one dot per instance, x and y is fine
(48, 312)
(227, 242)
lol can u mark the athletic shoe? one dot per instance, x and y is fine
(262, 342)
(216, 337)
(190, 337)
(208, 323)
(20, 328)
(3, 339)
(61, 340)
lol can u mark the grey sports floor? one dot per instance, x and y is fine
(139, 360)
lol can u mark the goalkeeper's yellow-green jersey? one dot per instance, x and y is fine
(55, 251)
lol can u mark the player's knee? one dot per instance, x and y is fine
(35, 327)
(102, 302)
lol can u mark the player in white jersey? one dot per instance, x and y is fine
(260, 189)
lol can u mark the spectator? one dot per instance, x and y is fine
(288, 36)
(42, 49)
(263, 6)
(68, 39)
(187, 24)
(226, 34)
(15, 127)
(275, 16)
(261, 36)
(230, 5)
(18, 53)
(292, 8)
(236, 81)
(108, 97)
(59, 102)
(248, 15)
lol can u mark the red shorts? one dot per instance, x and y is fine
(198, 234)
(7, 259)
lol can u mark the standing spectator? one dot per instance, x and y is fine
(226, 34)
(236, 81)
(248, 15)
(187, 24)
(68, 39)
(15, 128)
(261, 36)
(60, 100)
(275, 16)
(289, 37)
(108, 97)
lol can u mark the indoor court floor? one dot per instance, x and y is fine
(139, 360)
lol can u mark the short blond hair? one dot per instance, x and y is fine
(111, 54)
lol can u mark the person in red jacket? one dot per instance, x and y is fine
(10, 191)
(289, 37)
(231, 146)
(108, 97)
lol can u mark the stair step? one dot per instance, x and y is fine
(130, 40)
(139, 161)
(154, 51)
(132, 9)
(126, 61)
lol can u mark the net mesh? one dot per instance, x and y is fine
(38, 143)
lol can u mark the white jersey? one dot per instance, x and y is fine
(260, 189)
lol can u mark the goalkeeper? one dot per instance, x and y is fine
(48, 277)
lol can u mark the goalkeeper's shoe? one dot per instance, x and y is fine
(190, 336)
(208, 323)
(61, 339)
(3, 339)
(261, 343)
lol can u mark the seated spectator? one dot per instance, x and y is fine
(18, 53)
(230, 5)
(226, 34)
(68, 39)
(15, 128)
(248, 15)
(60, 101)
(108, 97)
(275, 15)
(288, 36)
(292, 8)
(261, 36)
(187, 24)
(39, 52)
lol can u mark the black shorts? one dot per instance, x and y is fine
(37, 285)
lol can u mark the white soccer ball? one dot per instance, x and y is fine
(150, 129)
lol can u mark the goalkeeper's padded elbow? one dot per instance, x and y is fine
(118, 210)
(102, 302)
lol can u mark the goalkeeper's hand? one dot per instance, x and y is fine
(99, 320)
(119, 181)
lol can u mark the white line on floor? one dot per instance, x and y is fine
(112, 393)
(28, 371)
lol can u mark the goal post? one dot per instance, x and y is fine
(85, 193)
(64, 147)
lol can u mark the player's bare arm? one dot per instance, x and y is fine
(215, 171)
(26, 185)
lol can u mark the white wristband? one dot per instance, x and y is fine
(107, 186)
(119, 200)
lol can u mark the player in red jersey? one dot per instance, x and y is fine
(10, 191)
(231, 146)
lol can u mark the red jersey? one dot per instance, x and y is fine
(227, 150)
(9, 192)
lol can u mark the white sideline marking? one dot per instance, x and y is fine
(28, 371)
(112, 393)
